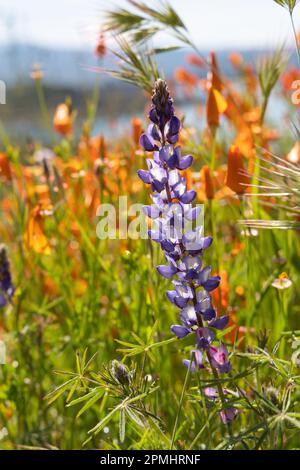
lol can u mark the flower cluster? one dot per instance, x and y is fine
(183, 244)
(6, 287)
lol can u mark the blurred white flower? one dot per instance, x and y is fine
(282, 282)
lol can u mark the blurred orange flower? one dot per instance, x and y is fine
(289, 77)
(216, 103)
(63, 119)
(193, 59)
(208, 183)
(136, 130)
(185, 77)
(236, 179)
(221, 295)
(35, 237)
(236, 59)
(100, 50)
(5, 169)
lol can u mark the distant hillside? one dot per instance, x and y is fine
(65, 75)
(66, 67)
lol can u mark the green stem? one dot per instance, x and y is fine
(180, 403)
(295, 36)
(220, 390)
(213, 151)
(264, 108)
(93, 105)
(43, 107)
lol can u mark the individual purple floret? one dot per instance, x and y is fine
(183, 243)
(6, 287)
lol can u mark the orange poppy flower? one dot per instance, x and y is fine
(35, 237)
(63, 119)
(236, 179)
(185, 77)
(221, 295)
(50, 288)
(193, 59)
(216, 103)
(98, 148)
(250, 79)
(214, 74)
(236, 59)
(5, 169)
(207, 182)
(289, 77)
(136, 130)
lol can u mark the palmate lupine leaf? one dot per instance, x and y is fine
(123, 407)
(141, 346)
(78, 380)
(91, 398)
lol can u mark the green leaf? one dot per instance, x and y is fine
(90, 402)
(58, 391)
(96, 429)
(134, 416)
(122, 425)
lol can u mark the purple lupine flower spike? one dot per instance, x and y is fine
(171, 214)
(6, 286)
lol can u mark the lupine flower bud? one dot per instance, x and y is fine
(120, 372)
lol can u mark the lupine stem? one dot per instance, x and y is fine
(220, 390)
(214, 370)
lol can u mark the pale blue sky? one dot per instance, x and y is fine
(213, 23)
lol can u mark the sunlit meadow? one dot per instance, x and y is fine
(109, 340)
